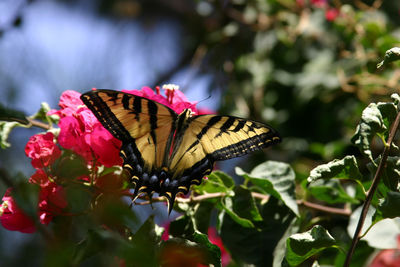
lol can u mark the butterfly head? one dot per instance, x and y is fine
(187, 113)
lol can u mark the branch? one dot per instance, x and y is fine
(38, 124)
(262, 197)
(372, 190)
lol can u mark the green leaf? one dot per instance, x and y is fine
(184, 230)
(88, 247)
(202, 215)
(360, 258)
(244, 204)
(217, 182)
(345, 168)
(275, 178)
(227, 204)
(391, 55)
(391, 172)
(5, 130)
(257, 245)
(41, 114)
(26, 195)
(70, 166)
(146, 238)
(389, 208)
(330, 191)
(300, 247)
(12, 115)
(280, 249)
(375, 119)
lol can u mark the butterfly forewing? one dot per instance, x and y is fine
(133, 119)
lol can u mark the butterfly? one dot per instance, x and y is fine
(165, 152)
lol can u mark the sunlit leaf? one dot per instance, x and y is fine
(5, 130)
(330, 191)
(375, 119)
(275, 178)
(216, 182)
(345, 168)
(300, 247)
(391, 55)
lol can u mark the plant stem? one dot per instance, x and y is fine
(260, 196)
(38, 124)
(371, 191)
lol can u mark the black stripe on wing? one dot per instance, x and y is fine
(104, 114)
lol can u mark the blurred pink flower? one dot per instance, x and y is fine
(387, 257)
(331, 14)
(13, 218)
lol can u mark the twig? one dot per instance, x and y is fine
(345, 212)
(372, 190)
(38, 124)
(260, 196)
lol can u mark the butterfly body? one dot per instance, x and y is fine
(165, 152)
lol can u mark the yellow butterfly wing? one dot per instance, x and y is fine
(144, 126)
(209, 138)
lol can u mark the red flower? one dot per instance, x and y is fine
(174, 98)
(52, 201)
(42, 150)
(13, 218)
(331, 14)
(40, 178)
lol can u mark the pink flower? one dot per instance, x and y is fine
(13, 218)
(69, 102)
(331, 14)
(81, 132)
(174, 98)
(319, 3)
(40, 178)
(42, 150)
(104, 146)
(387, 257)
(52, 201)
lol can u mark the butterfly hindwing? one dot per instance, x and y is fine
(214, 137)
